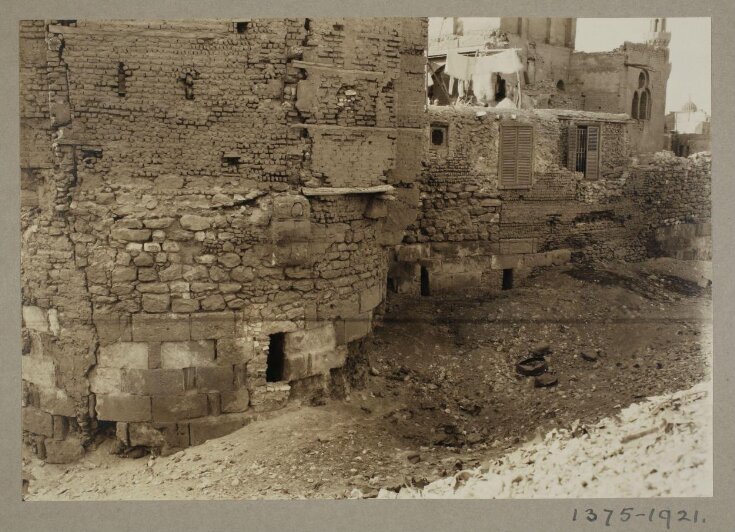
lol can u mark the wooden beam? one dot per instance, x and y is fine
(342, 191)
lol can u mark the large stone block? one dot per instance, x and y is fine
(212, 325)
(237, 401)
(161, 327)
(153, 381)
(145, 434)
(38, 370)
(123, 407)
(235, 350)
(187, 354)
(112, 328)
(207, 428)
(123, 355)
(323, 361)
(56, 402)
(215, 379)
(176, 435)
(37, 421)
(352, 329)
(104, 380)
(310, 340)
(176, 407)
(370, 298)
(296, 366)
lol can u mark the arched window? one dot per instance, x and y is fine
(641, 105)
(634, 107)
(643, 112)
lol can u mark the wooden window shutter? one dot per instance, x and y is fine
(592, 170)
(508, 155)
(572, 147)
(516, 156)
(524, 166)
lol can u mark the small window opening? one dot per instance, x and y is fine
(121, 76)
(425, 289)
(231, 159)
(68, 22)
(307, 24)
(188, 80)
(507, 278)
(392, 285)
(560, 85)
(241, 27)
(338, 27)
(276, 358)
(438, 136)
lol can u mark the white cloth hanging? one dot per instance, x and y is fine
(459, 66)
(505, 62)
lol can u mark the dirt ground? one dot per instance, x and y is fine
(443, 393)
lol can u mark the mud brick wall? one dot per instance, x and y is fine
(172, 247)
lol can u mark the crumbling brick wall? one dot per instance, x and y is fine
(470, 229)
(186, 223)
(673, 195)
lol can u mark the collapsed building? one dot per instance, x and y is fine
(214, 211)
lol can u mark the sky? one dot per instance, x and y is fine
(690, 50)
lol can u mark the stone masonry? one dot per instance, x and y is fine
(470, 229)
(197, 195)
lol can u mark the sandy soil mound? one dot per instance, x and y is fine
(657, 448)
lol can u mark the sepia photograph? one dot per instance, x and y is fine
(366, 258)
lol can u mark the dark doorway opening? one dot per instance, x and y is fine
(500, 90)
(276, 358)
(392, 285)
(425, 290)
(507, 278)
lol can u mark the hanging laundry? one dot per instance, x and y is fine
(459, 66)
(483, 87)
(506, 62)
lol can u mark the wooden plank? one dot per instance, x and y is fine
(341, 191)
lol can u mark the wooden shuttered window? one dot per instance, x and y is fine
(516, 156)
(583, 150)
(592, 167)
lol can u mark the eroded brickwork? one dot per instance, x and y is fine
(177, 226)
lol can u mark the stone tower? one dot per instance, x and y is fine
(658, 34)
